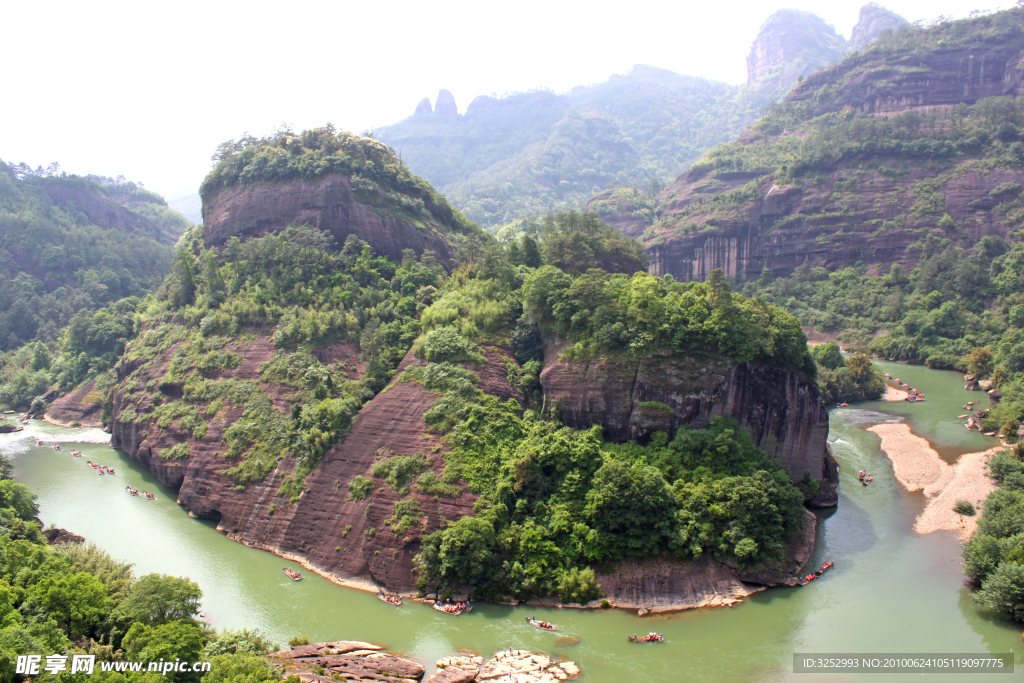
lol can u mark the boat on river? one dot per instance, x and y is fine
(649, 638)
(390, 599)
(546, 625)
(293, 575)
(455, 609)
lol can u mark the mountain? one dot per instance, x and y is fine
(190, 206)
(872, 21)
(530, 153)
(343, 370)
(73, 243)
(912, 139)
(527, 154)
(791, 45)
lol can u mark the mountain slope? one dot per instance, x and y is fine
(912, 139)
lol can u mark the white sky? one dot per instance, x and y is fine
(147, 90)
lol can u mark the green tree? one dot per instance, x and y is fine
(78, 601)
(170, 641)
(159, 598)
(241, 668)
(829, 356)
(18, 498)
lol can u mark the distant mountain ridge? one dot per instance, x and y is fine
(531, 153)
(910, 145)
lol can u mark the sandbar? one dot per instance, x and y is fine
(917, 466)
(894, 394)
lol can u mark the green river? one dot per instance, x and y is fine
(891, 590)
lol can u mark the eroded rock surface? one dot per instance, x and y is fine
(328, 204)
(634, 397)
(83, 406)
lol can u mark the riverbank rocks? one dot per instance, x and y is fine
(353, 660)
(9, 428)
(523, 666)
(347, 659)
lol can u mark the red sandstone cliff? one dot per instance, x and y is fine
(634, 397)
(346, 540)
(327, 203)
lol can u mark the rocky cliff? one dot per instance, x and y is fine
(872, 21)
(791, 44)
(632, 398)
(325, 529)
(326, 203)
(82, 407)
(830, 183)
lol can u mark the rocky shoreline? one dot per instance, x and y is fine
(354, 660)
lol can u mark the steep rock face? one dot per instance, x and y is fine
(83, 406)
(634, 397)
(823, 223)
(884, 83)
(423, 107)
(666, 584)
(872, 21)
(349, 541)
(790, 44)
(445, 105)
(328, 204)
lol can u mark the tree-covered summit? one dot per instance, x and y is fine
(378, 175)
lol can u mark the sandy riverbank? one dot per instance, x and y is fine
(917, 466)
(894, 394)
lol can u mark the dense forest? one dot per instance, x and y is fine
(77, 252)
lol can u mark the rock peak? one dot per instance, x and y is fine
(873, 20)
(445, 105)
(790, 44)
(423, 107)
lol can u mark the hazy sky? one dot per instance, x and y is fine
(147, 90)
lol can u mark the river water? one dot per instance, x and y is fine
(890, 591)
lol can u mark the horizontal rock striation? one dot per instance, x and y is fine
(632, 398)
(328, 204)
(821, 223)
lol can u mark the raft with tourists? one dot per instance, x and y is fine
(649, 638)
(546, 625)
(292, 574)
(395, 600)
(455, 609)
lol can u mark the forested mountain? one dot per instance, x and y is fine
(910, 141)
(522, 155)
(430, 398)
(526, 154)
(881, 200)
(69, 246)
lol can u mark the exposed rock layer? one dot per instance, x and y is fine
(327, 203)
(83, 407)
(632, 398)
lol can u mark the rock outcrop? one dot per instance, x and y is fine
(328, 204)
(445, 105)
(665, 584)
(632, 398)
(873, 20)
(791, 43)
(83, 407)
(423, 107)
(349, 541)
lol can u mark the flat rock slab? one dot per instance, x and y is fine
(454, 674)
